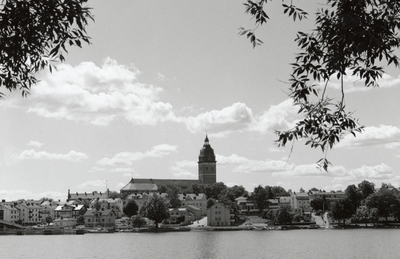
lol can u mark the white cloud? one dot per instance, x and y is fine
(245, 165)
(72, 155)
(13, 195)
(35, 144)
(235, 117)
(354, 84)
(277, 117)
(93, 184)
(127, 158)
(97, 95)
(385, 136)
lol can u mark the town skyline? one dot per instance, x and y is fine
(158, 77)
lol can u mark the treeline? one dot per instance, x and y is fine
(362, 203)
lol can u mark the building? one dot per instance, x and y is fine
(86, 196)
(219, 214)
(199, 201)
(112, 203)
(300, 203)
(207, 174)
(9, 213)
(29, 213)
(329, 196)
(100, 218)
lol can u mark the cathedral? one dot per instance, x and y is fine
(207, 171)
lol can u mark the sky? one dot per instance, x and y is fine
(159, 76)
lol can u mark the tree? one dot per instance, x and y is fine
(114, 195)
(278, 191)
(138, 221)
(284, 215)
(97, 205)
(319, 204)
(385, 201)
(260, 197)
(210, 203)
(234, 192)
(350, 37)
(130, 208)
(36, 33)
(173, 197)
(354, 195)
(80, 220)
(366, 188)
(155, 208)
(342, 209)
(48, 220)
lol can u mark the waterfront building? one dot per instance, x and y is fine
(207, 174)
(64, 211)
(9, 213)
(29, 213)
(199, 201)
(100, 218)
(300, 203)
(219, 214)
(111, 203)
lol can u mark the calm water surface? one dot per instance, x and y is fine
(319, 243)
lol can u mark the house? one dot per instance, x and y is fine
(64, 211)
(175, 213)
(195, 212)
(86, 196)
(199, 201)
(79, 210)
(219, 214)
(141, 198)
(110, 203)
(329, 196)
(29, 213)
(9, 213)
(64, 222)
(246, 205)
(100, 218)
(48, 208)
(300, 203)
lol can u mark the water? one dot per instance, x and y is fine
(319, 243)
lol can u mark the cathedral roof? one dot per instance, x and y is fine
(206, 152)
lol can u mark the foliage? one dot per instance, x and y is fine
(349, 37)
(270, 214)
(234, 192)
(34, 34)
(130, 208)
(173, 197)
(114, 195)
(97, 205)
(354, 195)
(260, 196)
(138, 221)
(155, 208)
(284, 215)
(210, 203)
(80, 220)
(277, 191)
(366, 188)
(342, 209)
(319, 204)
(385, 201)
(48, 220)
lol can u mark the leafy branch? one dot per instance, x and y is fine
(349, 36)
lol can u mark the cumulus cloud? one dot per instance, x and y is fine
(385, 136)
(97, 95)
(35, 144)
(245, 165)
(127, 158)
(185, 169)
(278, 117)
(354, 84)
(239, 117)
(235, 117)
(93, 184)
(71, 156)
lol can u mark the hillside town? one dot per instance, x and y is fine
(204, 204)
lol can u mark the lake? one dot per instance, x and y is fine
(315, 243)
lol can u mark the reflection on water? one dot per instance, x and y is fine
(320, 243)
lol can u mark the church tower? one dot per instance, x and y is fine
(207, 164)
